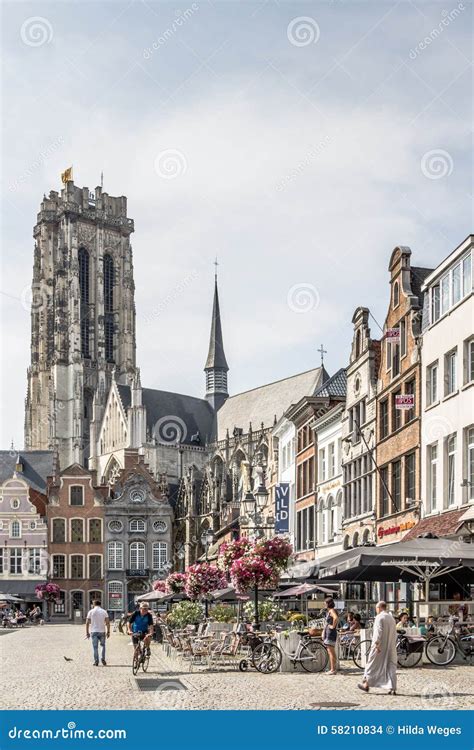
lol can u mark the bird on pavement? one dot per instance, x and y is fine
(66, 658)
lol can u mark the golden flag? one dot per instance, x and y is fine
(66, 176)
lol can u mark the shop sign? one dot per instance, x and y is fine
(404, 401)
(384, 531)
(393, 335)
(282, 508)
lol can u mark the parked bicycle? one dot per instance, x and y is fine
(311, 654)
(141, 658)
(441, 649)
(409, 651)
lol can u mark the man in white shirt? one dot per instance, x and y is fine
(98, 626)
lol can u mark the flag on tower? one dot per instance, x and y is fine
(66, 176)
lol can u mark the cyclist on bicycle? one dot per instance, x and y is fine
(140, 627)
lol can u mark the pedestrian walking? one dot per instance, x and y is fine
(381, 667)
(98, 627)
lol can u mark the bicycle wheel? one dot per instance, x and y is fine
(361, 654)
(313, 657)
(266, 658)
(145, 662)
(136, 661)
(407, 658)
(440, 650)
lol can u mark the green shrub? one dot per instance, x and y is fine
(185, 613)
(222, 613)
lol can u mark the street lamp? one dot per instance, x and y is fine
(207, 537)
(253, 505)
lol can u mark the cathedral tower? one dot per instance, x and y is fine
(82, 316)
(216, 367)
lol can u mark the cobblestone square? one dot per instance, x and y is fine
(38, 675)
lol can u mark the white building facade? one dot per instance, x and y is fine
(328, 433)
(448, 393)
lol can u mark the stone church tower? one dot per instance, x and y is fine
(82, 317)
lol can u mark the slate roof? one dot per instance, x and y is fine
(445, 524)
(417, 279)
(37, 465)
(334, 387)
(173, 416)
(265, 403)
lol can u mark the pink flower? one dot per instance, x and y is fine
(160, 586)
(203, 578)
(231, 551)
(249, 572)
(175, 583)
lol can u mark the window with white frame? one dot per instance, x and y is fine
(34, 560)
(160, 555)
(15, 560)
(95, 530)
(59, 566)
(77, 530)
(77, 566)
(137, 524)
(322, 464)
(115, 595)
(454, 285)
(432, 475)
(76, 495)
(403, 337)
(451, 468)
(332, 459)
(95, 567)
(450, 374)
(469, 476)
(137, 555)
(469, 360)
(15, 530)
(115, 556)
(432, 384)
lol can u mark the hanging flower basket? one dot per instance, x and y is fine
(160, 586)
(276, 552)
(231, 551)
(49, 592)
(203, 578)
(175, 583)
(249, 572)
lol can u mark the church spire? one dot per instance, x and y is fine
(216, 367)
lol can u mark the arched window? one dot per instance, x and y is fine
(59, 566)
(358, 347)
(77, 530)
(95, 530)
(160, 555)
(396, 294)
(83, 257)
(115, 590)
(15, 530)
(77, 566)
(95, 567)
(59, 530)
(109, 307)
(331, 518)
(355, 539)
(137, 555)
(137, 524)
(345, 544)
(115, 556)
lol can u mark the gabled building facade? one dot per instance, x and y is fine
(399, 402)
(359, 435)
(75, 515)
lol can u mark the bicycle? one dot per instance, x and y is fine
(407, 655)
(441, 649)
(311, 654)
(141, 657)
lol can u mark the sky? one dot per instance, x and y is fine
(299, 142)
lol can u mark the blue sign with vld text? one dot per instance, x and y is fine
(282, 508)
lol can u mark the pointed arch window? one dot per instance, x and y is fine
(83, 257)
(109, 307)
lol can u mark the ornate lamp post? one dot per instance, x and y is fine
(207, 538)
(253, 505)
